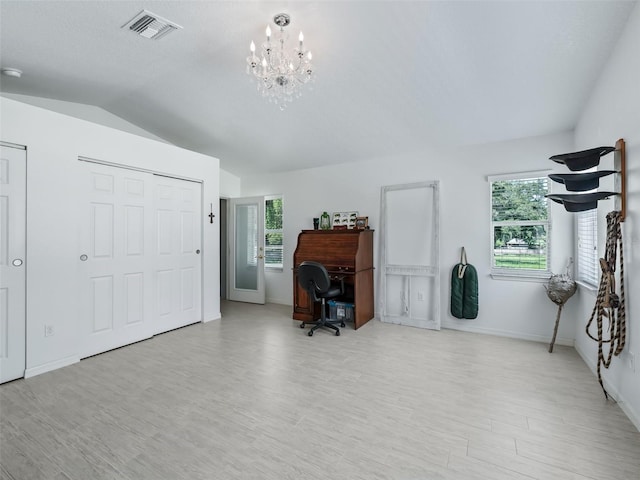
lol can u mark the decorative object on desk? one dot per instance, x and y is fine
(362, 223)
(340, 227)
(280, 72)
(316, 223)
(560, 288)
(584, 182)
(345, 218)
(325, 222)
(464, 289)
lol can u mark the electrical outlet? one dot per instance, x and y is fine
(631, 358)
(48, 330)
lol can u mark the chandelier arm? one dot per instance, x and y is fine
(301, 62)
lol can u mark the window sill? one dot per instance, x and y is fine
(542, 277)
(587, 287)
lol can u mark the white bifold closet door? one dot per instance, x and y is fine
(140, 258)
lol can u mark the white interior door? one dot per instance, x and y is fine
(13, 190)
(246, 250)
(116, 259)
(178, 266)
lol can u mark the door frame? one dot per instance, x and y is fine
(224, 247)
(407, 276)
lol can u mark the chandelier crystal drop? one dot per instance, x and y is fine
(279, 71)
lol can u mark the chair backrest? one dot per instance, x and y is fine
(314, 278)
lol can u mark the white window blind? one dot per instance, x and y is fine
(587, 264)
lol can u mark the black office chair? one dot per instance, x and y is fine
(313, 277)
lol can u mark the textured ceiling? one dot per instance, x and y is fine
(392, 76)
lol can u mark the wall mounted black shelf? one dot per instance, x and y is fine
(579, 202)
(581, 182)
(583, 160)
(584, 182)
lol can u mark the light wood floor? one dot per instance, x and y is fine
(253, 397)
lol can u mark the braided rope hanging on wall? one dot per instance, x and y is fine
(608, 304)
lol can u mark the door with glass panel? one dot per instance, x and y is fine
(246, 250)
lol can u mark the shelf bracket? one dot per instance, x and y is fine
(621, 180)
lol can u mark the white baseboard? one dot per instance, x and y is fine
(47, 367)
(568, 342)
(279, 301)
(631, 413)
(217, 316)
(611, 389)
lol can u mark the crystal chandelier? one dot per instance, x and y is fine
(280, 73)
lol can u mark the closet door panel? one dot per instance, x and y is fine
(116, 258)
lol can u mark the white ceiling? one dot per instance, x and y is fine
(392, 76)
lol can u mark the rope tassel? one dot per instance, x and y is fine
(608, 304)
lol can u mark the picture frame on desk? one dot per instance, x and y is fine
(361, 223)
(344, 218)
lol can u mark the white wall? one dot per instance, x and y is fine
(613, 112)
(511, 308)
(229, 185)
(54, 141)
(90, 113)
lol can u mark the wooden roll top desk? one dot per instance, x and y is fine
(344, 253)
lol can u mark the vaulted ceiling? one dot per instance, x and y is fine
(391, 76)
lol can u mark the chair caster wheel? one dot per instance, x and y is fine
(302, 325)
(343, 324)
(337, 333)
(310, 333)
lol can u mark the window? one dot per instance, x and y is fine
(520, 225)
(588, 268)
(273, 250)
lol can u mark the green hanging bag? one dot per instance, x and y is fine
(464, 289)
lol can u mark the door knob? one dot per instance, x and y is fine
(198, 252)
(83, 257)
(17, 262)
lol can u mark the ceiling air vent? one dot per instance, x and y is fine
(151, 26)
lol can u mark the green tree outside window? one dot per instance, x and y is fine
(273, 233)
(520, 224)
